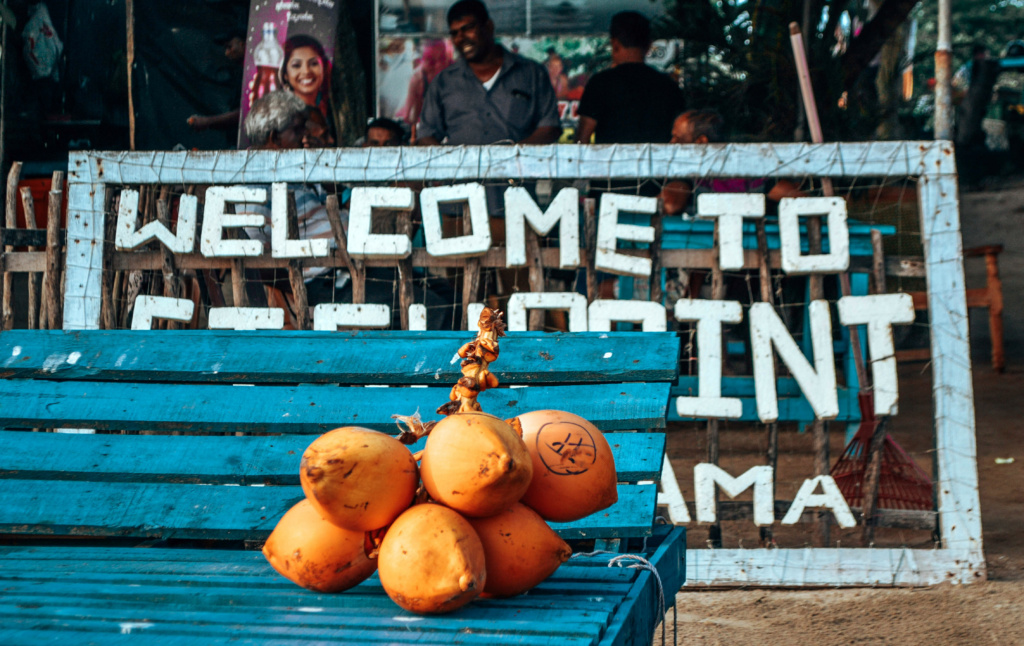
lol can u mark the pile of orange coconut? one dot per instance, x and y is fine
(469, 520)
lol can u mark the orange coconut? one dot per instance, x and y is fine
(316, 554)
(431, 560)
(476, 464)
(521, 550)
(357, 478)
(573, 467)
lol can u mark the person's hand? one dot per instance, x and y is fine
(198, 122)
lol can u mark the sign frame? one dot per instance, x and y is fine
(959, 557)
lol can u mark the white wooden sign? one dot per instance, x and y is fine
(521, 211)
(362, 243)
(331, 316)
(959, 557)
(474, 199)
(838, 257)
(730, 209)
(148, 308)
(575, 304)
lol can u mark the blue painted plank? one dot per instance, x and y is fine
(57, 601)
(64, 636)
(300, 409)
(223, 512)
(790, 410)
(793, 406)
(242, 558)
(388, 622)
(699, 233)
(363, 357)
(593, 616)
(227, 575)
(741, 386)
(273, 591)
(222, 460)
(630, 516)
(277, 593)
(189, 634)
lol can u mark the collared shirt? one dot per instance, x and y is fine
(457, 106)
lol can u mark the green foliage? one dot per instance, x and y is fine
(974, 22)
(992, 24)
(738, 60)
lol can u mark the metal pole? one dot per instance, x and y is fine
(944, 74)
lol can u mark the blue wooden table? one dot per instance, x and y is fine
(140, 537)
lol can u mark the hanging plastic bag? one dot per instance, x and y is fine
(42, 45)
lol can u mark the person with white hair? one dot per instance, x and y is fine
(281, 120)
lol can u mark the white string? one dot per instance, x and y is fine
(640, 563)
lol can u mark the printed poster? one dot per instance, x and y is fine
(290, 45)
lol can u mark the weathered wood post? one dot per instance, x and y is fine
(54, 254)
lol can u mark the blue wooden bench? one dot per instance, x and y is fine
(113, 538)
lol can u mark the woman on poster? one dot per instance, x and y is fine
(306, 71)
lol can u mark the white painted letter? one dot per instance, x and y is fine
(331, 316)
(418, 316)
(706, 476)
(671, 495)
(709, 316)
(473, 314)
(128, 238)
(838, 257)
(602, 313)
(215, 220)
(148, 308)
(829, 497)
(520, 302)
(280, 245)
(879, 313)
(609, 232)
(246, 318)
(475, 244)
(818, 384)
(362, 243)
(520, 209)
(730, 209)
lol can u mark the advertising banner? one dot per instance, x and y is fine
(290, 46)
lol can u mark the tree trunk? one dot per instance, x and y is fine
(866, 45)
(975, 104)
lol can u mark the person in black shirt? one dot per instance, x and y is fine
(632, 102)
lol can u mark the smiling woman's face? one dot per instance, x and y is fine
(304, 73)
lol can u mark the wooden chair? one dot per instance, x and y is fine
(990, 296)
(117, 538)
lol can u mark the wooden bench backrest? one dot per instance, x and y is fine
(280, 390)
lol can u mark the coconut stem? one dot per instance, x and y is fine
(411, 427)
(476, 355)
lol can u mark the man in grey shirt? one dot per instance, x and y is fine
(489, 96)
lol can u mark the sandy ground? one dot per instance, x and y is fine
(990, 612)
